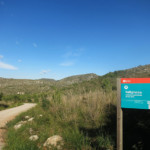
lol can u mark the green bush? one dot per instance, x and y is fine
(1, 96)
(57, 97)
(45, 104)
(106, 85)
(104, 142)
(75, 139)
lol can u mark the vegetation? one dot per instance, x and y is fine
(106, 85)
(83, 112)
(6, 105)
(1, 95)
(80, 119)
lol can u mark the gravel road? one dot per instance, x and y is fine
(9, 114)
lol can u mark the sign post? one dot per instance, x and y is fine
(119, 117)
(132, 93)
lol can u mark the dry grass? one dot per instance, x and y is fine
(71, 116)
(88, 108)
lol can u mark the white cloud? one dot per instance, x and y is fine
(7, 66)
(73, 53)
(68, 54)
(44, 72)
(34, 45)
(1, 56)
(19, 60)
(71, 56)
(67, 64)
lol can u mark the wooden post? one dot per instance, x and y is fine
(119, 117)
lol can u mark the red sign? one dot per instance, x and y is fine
(135, 80)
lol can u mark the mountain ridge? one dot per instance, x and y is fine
(29, 86)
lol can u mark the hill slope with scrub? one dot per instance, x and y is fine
(25, 86)
(81, 111)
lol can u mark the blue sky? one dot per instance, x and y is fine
(60, 38)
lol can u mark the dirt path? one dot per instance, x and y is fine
(9, 114)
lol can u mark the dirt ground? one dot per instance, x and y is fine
(9, 114)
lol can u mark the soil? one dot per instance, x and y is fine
(8, 115)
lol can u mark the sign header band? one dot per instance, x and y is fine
(135, 80)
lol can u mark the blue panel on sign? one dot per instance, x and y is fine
(135, 95)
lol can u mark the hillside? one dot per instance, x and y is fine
(23, 86)
(82, 109)
(139, 71)
(88, 81)
(77, 79)
(26, 86)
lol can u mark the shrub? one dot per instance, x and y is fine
(104, 142)
(106, 85)
(57, 97)
(1, 96)
(45, 104)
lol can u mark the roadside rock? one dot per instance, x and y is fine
(55, 141)
(31, 119)
(26, 117)
(22, 122)
(18, 125)
(33, 138)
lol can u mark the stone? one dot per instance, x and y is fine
(22, 122)
(17, 126)
(55, 141)
(33, 138)
(31, 119)
(27, 117)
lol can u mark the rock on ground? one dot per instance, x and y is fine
(18, 125)
(27, 117)
(33, 138)
(31, 119)
(54, 141)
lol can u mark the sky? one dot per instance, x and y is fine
(60, 38)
